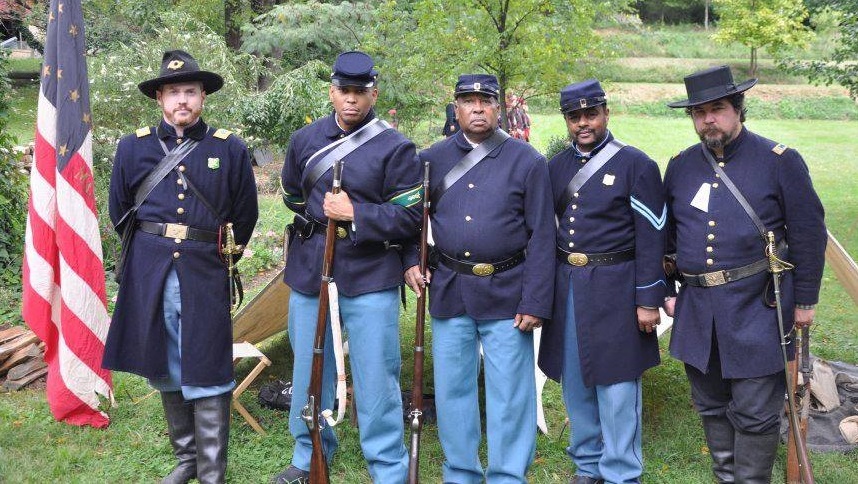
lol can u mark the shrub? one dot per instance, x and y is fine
(555, 145)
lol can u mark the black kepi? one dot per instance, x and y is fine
(179, 66)
(710, 85)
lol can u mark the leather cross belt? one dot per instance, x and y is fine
(481, 269)
(717, 278)
(580, 259)
(177, 231)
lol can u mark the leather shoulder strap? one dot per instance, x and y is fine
(354, 141)
(170, 161)
(735, 191)
(467, 162)
(590, 168)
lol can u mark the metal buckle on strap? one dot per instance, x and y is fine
(577, 259)
(176, 231)
(483, 269)
(341, 233)
(715, 278)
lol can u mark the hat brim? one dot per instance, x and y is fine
(342, 82)
(687, 103)
(211, 82)
(474, 91)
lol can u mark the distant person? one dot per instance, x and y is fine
(494, 233)
(610, 283)
(726, 328)
(172, 321)
(451, 124)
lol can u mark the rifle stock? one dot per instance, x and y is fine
(802, 364)
(417, 383)
(313, 409)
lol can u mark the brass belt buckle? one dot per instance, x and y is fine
(176, 231)
(483, 269)
(577, 259)
(714, 278)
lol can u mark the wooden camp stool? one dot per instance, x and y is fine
(247, 350)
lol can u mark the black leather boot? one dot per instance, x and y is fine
(755, 456)
(180, 424)
(720, 439)
(211, 425)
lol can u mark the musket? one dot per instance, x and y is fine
(777, 266)
(313, 410)
(417, 384)
(801, 364)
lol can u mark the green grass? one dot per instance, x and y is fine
(25, 65)
(816, 108)
(34, 448)
(666, 69)
(690, 42)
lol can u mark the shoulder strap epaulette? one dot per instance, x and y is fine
(779, 149)
(222, 133)
(144, 131)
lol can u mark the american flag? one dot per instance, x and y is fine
(64, 298)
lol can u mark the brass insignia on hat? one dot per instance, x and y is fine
(145, 131)
(477, 86)
(779, 149)
(175, 64)
(222, 133)
(583, 103)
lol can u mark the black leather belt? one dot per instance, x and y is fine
(717, 278)
(308, 226)
(482, 268)
(580, 259)
(177, 231)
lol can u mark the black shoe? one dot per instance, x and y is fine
(576, 479)
(292, 475)
(211, 432)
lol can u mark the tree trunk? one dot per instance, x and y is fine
(231, 15)
(706, 14)
(752, 71)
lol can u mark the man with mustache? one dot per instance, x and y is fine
(492, 282)
(172, 320)
(378, 205)
(609, 284)
(726, 328)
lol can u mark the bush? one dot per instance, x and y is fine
(555, 145)
(295, 99)
(13, 207)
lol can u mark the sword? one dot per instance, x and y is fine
(777, 267)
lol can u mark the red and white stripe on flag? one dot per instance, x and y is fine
(64, 297)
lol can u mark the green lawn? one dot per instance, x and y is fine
(34, 448)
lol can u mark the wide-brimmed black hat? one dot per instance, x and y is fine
(179, 66)
(710, 85)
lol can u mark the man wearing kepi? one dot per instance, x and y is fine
(492, 285)
(609, 202)
(723, 196)
(172, 321)
(379, 204)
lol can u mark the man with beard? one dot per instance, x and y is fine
(609, 284)
(492, 285)
(378, 205)
(172, 321)
(726, 330)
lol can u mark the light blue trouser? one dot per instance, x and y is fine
(510, 398)
(172, 299)
(372, 323)
(605, 420)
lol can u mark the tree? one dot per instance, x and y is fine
(531, 45)
(773, 24)
(840, 67)
(300, 32)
